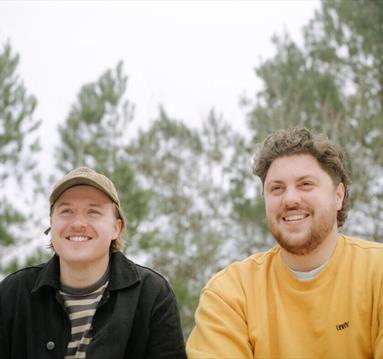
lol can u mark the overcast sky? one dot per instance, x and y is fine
(189, 56)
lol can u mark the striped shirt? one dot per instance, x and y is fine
(81, 304)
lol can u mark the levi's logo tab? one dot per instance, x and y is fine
(342, 326)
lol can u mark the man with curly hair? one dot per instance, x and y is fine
(317, 293)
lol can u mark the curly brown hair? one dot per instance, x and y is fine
(300, 140)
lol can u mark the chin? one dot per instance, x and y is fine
(300, 245)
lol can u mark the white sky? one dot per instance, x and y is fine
(189, 56)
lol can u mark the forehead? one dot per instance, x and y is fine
(84, 193)
(294, 167)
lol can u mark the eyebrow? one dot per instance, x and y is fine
(68, 204)
(62, 204)
(298, 179)
(308, 176)
(95, 205)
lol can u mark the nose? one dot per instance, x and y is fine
(291, 197)
(78, 223)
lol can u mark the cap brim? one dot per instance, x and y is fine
(78, 181)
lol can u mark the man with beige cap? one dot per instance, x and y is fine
(89, 301)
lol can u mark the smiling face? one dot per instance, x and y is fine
(301, 203)
(83, 225)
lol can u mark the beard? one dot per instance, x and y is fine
(303, 244)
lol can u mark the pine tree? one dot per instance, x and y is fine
(333, 84)
(95, 134)
(18, 147)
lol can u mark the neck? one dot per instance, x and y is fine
(310, 261)
(81, 276)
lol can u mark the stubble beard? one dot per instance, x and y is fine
(317, 233)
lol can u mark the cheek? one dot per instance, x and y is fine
(58, 227)
(55, 235)
(271, 205)
(106, 229)
(325, 203)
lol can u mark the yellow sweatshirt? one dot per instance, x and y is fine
(258, 309)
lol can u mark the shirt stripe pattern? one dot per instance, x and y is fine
(81, 306)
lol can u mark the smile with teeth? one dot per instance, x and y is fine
(293, 218)
(78, 238)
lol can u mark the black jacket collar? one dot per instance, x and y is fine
(123, 273)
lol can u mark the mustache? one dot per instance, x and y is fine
(287, 209)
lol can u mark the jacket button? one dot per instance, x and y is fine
(51, 345)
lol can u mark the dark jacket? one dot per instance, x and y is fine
(137, 316)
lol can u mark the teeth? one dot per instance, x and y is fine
(78, 238)
(294, 218)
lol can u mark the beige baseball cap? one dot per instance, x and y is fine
(86, 176)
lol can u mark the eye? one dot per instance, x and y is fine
(65, 211)
(276, 188)
(307, 184)
(94, 211)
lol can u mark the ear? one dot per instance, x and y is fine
(117, 228)
(340, 192)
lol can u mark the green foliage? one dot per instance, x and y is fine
(333, 84)
(9, 217)
(352, 32)
(95, 130)
(191, 201)
(16, 109)
(95, 134)
(18, 143)
(187, 171)
(296, 93)
(39, 256)
(247, 216)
